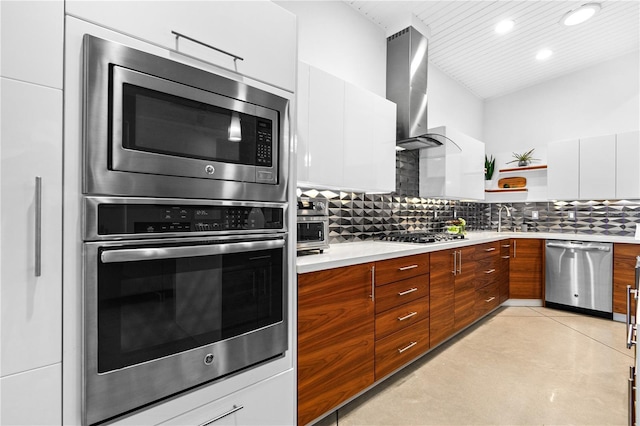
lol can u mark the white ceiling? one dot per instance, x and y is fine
(463, 43)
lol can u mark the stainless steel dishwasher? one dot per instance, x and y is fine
(579, 277)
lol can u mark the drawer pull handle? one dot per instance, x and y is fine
(505, 257)
(409, 346)
(406, 268)
(223, 415)
(490, 271)
(490, 299)
(490, 249)
(406, 317)
(404, 293)
(506, 245)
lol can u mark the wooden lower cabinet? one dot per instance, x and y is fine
(397, 349)
(464, 288)
(624, 263)
(335, 338)
(441, 296)
(526, 268)
(503, 270)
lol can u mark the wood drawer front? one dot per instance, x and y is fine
(399, 348)
(487, 299)
(401, 317)
(487, 271)
(487, 250)
(388, 271)
(397, 293)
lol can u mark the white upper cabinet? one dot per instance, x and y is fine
(345, 134)
(563, 166)
(260, 32)
(597, 167)
(32, 34)
(453, 170)
(628, 165)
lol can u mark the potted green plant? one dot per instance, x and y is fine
(489, 167)
(523, 159)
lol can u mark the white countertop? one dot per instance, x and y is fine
(346, 254)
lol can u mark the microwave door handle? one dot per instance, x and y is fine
(156, 253)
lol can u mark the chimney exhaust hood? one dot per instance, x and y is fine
(407, 68)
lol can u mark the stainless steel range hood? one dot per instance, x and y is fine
(407, 67)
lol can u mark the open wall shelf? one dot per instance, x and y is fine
(523, 169)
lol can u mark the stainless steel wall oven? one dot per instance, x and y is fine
(178, 293)
(185, 236)
(157, 127)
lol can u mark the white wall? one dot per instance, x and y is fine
(337, 39)
(452, 105)
(603, 99)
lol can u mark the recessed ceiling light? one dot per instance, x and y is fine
(544, 54)
(504, 26)
(581, 14)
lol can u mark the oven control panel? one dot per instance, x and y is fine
(116, 219)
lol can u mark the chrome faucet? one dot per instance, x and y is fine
(500, 216)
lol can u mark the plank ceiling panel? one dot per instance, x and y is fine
(465, 47)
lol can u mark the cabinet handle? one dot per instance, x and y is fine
(406, 268)
(514, 248)
(223, 415)
(409, 346)
(373, 283)
(505, 257)
(460, 262)
(490, 299)
(490, 271)
(632, 388)
(178, 35)
(506, 245)
(404, 293)
(630, 327)
(490, 249)
(38, 226)
(455, 262)
(406, 317)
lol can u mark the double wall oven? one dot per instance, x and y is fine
(185, 252)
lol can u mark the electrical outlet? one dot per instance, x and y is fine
(534, 215)
(571, 215)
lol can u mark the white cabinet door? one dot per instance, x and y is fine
(326, 128)
(32, 398)
(270, 402)
(358, 143)
(384, 144)
(597, 168)
(302, 127)
(31, 311)
(262, 33)
(563, 170)
(32, 34)
(628, 165)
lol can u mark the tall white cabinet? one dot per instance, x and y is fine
(31, 209)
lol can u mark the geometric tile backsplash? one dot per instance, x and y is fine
(360, 216)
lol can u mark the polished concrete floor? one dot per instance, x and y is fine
(519, 366)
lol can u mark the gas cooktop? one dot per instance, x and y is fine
(420, 237)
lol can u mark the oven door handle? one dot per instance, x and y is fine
(155, 253)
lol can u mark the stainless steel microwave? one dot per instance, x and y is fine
(157, 127)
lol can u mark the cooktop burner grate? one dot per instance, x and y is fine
(420, 237)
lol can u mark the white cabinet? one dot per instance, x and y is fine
(265, 403)
(597, 167)
(345, 134)
(32, 41)
(32, 398)
(563, 170)
(628, 165)
(31, 225)
(453, 170)
(262, 33)
(326, 128)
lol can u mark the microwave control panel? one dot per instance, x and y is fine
(115, 219)
(264, 144)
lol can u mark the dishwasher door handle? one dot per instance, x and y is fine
(579, 247)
